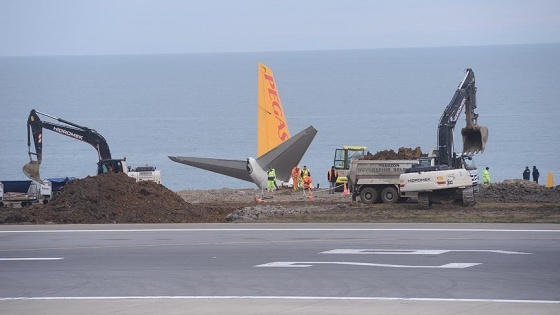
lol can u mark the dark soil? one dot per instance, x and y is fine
(112, 198)
(402, 154)
(117, 198)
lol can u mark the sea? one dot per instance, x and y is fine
(149, 107)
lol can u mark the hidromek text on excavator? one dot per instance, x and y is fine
(106, 163)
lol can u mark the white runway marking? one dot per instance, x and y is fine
(272, 230)
(310, 264)
(365, 298)
(415, 251)
(19, 259)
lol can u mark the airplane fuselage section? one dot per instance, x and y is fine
(258, 175)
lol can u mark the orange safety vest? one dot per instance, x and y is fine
(330, 174)
(295, 172)
(307, 180)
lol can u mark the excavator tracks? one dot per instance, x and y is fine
(468, 197)
(424, 200)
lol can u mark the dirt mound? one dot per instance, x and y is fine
(111, 198)
(516, 190)
(403, 154)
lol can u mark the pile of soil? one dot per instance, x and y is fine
(117, 198)
(111, 198)
(402, 154)
(517, 190)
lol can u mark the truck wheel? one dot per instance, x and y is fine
(369, 195)
(424, 200)
(390, 195)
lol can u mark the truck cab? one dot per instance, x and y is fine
(342, 159)
(145, 173)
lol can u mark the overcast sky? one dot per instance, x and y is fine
(85, 27)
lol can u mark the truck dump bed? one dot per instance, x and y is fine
(378, 180)
(22, 192)
(374, 171)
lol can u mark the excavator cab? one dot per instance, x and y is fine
(111, 166)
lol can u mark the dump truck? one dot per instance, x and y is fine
(378, 180)
(22, 193)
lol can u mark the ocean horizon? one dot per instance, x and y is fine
(149, 107)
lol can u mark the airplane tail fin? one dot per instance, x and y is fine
(272, 124)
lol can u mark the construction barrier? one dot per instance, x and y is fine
(550, 180)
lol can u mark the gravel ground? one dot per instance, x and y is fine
(508, 201)
(116, 198)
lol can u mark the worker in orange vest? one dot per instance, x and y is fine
(307, 180)
(295, 177)
(332, 176)
(307, 185)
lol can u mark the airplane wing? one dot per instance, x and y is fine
(232, 168)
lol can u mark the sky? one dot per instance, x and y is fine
(98, 27)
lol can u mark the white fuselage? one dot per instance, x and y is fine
(258, 175)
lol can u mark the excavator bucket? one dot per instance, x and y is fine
(31, 170)
(474, 139)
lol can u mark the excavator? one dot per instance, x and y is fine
(106, 163)
(452, 175)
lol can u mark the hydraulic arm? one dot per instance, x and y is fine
(35, 130)
(474, 136)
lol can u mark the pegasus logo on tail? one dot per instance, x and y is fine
(274, 101)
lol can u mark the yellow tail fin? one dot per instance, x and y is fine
(272, 125)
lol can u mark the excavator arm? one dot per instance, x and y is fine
(35, 128)
(474, 136)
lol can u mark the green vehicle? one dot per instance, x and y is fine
(342, 158)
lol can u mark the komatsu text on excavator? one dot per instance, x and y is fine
(453, 175)
(106, 163)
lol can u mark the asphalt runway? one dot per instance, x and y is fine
(280, 269)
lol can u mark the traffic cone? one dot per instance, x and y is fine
(550, 180)
(345, 192)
